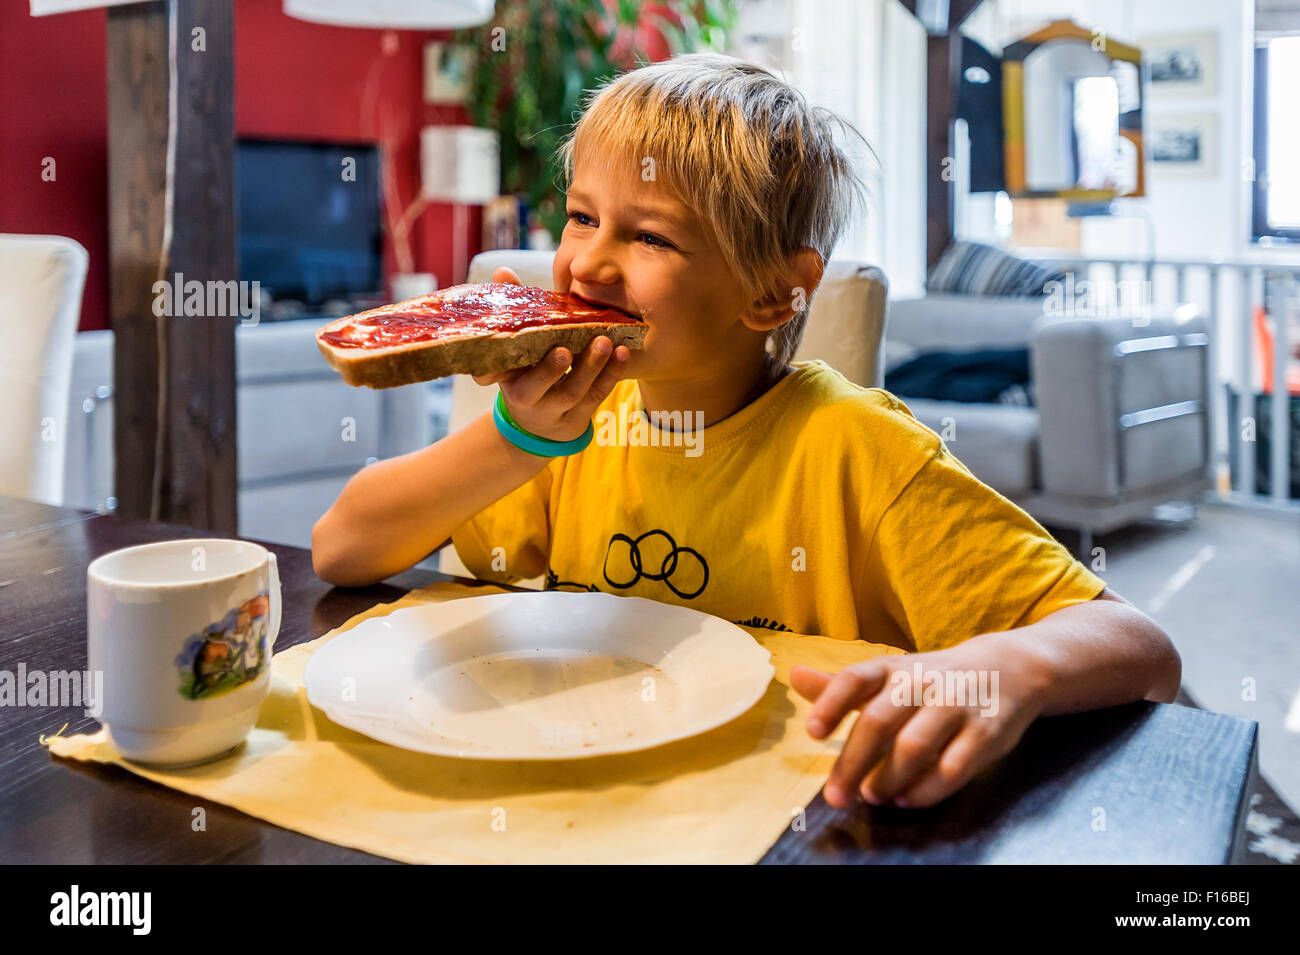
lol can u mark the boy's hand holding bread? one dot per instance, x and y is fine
(550, 400)
(394, 513)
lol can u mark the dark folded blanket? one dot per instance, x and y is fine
(987, 375)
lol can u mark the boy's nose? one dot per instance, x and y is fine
(595, 265)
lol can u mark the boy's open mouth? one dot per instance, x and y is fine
(599, 304)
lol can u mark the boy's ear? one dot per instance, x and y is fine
(803, 275)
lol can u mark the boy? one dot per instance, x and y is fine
(704, 196)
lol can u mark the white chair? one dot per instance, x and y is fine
(41, 281)
(845, 328)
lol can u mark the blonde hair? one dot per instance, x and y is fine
(745, 151)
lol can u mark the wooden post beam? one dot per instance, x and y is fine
(171, 117)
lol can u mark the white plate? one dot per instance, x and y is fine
(547, 675)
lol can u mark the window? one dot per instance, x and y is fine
(1276, 212)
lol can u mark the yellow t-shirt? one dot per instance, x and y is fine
(821, 508)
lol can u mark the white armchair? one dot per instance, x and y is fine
(41, 281)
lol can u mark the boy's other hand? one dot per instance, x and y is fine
(549, 400)
(916, 756)
(503, 274)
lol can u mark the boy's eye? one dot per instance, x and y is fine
(650, 239)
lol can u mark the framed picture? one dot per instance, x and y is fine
(1185, 64)
(446, 73)
(1184, 145)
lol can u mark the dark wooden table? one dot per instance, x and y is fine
(1143, 783)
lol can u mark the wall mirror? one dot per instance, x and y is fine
(1072, 107)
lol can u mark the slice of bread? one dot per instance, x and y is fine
(473, 348)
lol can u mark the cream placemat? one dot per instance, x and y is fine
(722, 797)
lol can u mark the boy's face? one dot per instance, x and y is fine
(631, 244)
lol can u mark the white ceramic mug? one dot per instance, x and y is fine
(182, 632)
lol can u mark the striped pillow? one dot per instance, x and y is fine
(972, 268)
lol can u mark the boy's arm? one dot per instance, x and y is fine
(1091, 655)
(1104, 652)
(394, 513)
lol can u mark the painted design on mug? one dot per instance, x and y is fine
(228, 653)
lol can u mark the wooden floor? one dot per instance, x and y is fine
(1226, 587)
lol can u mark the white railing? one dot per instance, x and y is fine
(1229, 292)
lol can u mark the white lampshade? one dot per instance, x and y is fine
(459, 164)
(393, 14)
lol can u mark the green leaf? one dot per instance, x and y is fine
(555, 51)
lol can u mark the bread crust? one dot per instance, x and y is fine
(412, 362)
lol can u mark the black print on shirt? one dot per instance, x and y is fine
(762, 622)
(628, 561)
(555, 583)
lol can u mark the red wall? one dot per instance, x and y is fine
(298, 80)
(54, 102)
(293, 80)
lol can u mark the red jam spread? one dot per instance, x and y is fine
(483, 309)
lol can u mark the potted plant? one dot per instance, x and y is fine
(532, 62)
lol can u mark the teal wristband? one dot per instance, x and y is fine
(526, 441)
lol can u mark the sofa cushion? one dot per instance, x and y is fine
(983, 375)
(998, 443)
(959, 323)
(973, 268)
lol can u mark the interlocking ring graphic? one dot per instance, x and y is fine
(630, 558)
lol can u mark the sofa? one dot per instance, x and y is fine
(1120, 419)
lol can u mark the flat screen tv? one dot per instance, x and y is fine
(308, 220)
